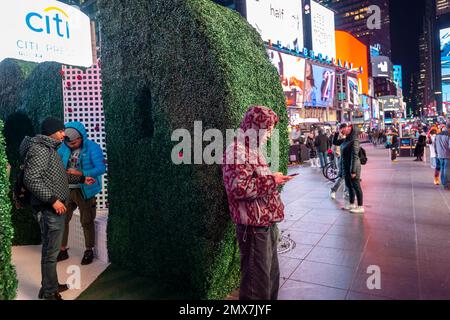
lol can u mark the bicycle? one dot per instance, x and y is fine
(331, 171)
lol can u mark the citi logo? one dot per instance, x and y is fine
(53, 21)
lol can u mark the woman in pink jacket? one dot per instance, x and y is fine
(255, 204)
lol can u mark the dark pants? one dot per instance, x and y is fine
(354, 189)
(444, 164)
(88, 211)
(394, 151)
(52, 228)
(260, 272)
(323, 156)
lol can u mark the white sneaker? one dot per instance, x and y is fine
(349, 206)
(332, 195)
(357, 210)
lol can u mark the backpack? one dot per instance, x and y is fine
(21, 195)
(362, 156)
(389, 140)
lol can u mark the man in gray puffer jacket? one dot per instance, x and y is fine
(47, 181)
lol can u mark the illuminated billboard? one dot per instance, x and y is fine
(350, 49)
(390, 103)
(277, 21)
(366, 107)
(353, 91)
(382, 67)
(376, 109)
(319, 85)
(445, 64)
(292, 73)
(45, 30)
(398, 77)
(322, 29)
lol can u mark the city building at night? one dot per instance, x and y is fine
(428, 84)
(353, 15)
(384, 87)
(442, 7)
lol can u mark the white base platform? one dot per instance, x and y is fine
(27, 260)
(76, 236)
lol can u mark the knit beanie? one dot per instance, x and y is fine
(51, 125)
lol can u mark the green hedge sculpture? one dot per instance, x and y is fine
(8, 281)
(12, 78)
(29, 92)
(17, 126)
(166, 64)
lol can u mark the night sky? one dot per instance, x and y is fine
(406, 26)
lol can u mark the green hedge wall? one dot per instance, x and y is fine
(17, 126)
(29, 93)
(165, 65)
(12, 76)
(8, 281)
(42, 94)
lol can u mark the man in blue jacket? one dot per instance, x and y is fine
(82, 157)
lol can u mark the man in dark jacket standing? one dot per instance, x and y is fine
(351, 168)
(323, 144)
(47, 181)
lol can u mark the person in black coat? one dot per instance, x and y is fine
(322, 144)
(312, 150)
(351, 168)
(338, 141)
(420, 147)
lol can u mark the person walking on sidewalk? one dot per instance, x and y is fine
(338, 140)
(322, 144)
(312, 150)
(433, 157)
(82, 157)
(443, 154)
(393, 143)
(351, 168)
(420, 146)
(255, 207)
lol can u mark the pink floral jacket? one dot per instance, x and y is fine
(253, 195)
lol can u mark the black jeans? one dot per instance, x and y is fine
(260, 272)
(52, 229)
(394, 152)
(354, 189)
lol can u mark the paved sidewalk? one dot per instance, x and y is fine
(405, 232)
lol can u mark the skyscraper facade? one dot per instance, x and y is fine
(428, 83)
(442, 7)
(355, 16)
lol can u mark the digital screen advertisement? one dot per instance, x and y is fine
(277, 21)
(382, 67)
(349, 48)
(376, 109)
(366, 107)
(319, 86)
(445, 63)
(323, 36)
(353, 91)
(292, 75)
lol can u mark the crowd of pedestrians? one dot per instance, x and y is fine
(434, 138)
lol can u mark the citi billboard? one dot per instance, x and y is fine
(45, 30)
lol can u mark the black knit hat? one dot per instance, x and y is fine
(51, 125)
